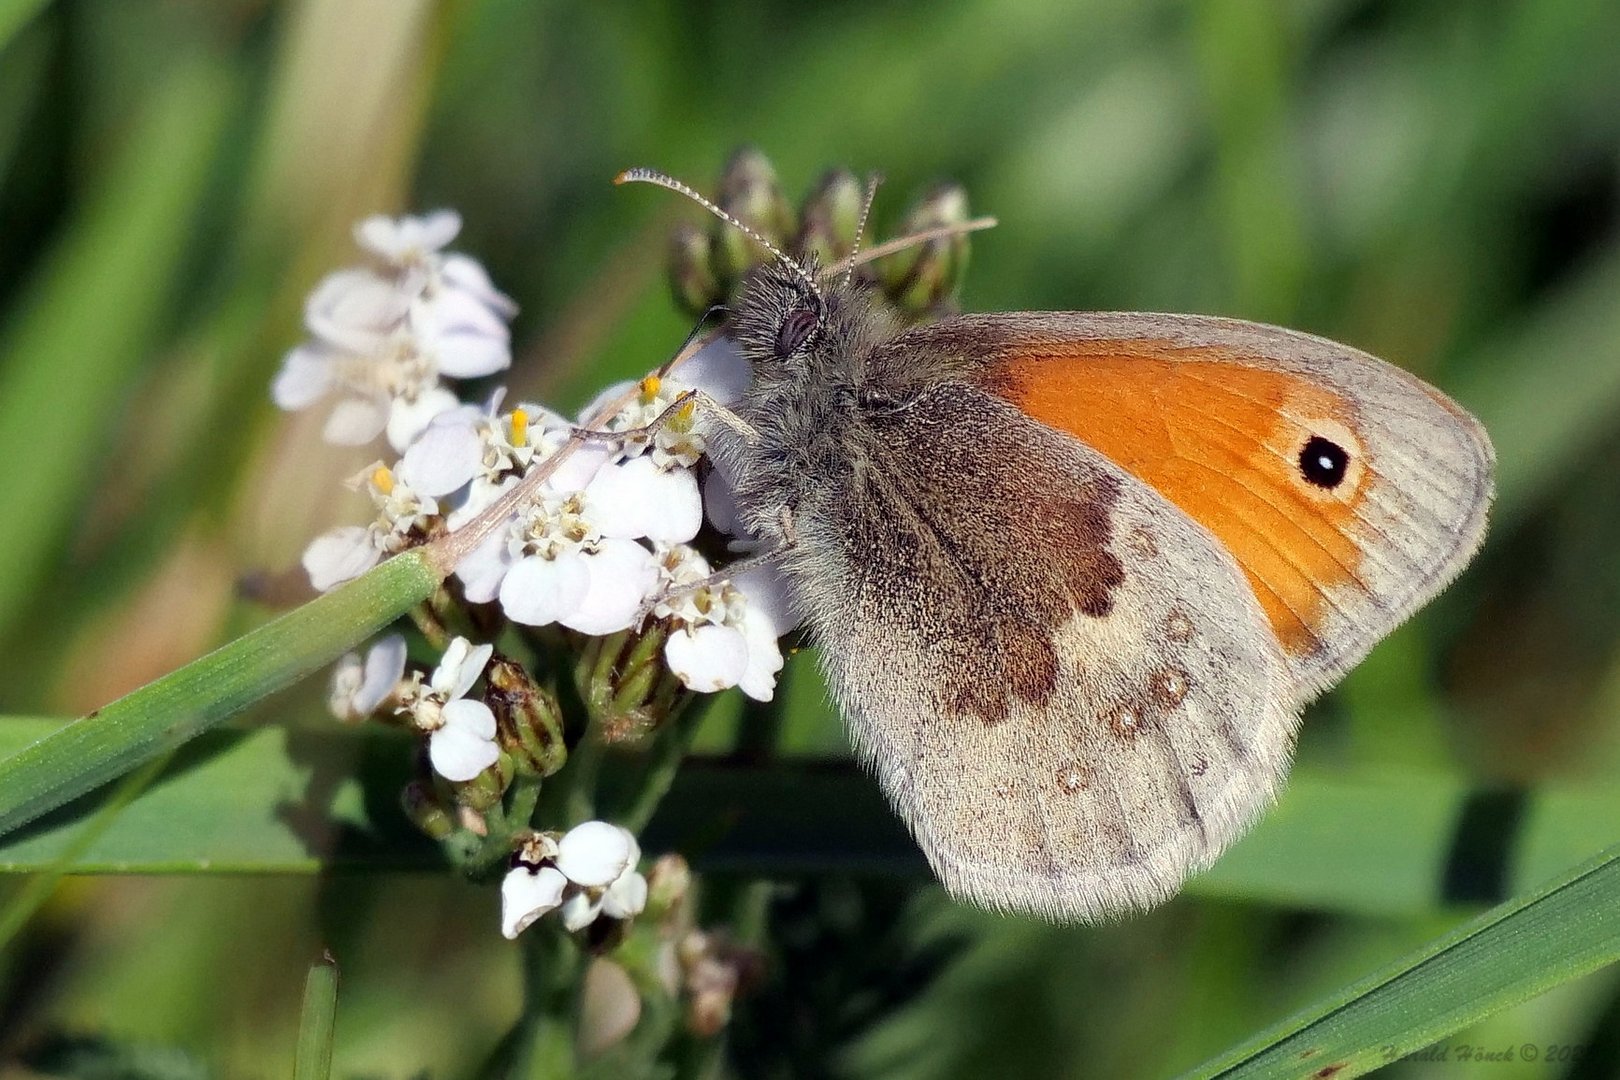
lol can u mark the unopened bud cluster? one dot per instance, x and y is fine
(707, 264)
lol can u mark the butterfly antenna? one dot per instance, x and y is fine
(664, 180)
(872, 183)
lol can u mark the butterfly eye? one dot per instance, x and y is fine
(795, 330)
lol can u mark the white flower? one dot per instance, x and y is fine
(383, 337)
(469, 445)
(637, 499)
(359, 689)
(403, 516)
(527, 893)
(554, 564)
(726, 631)
(340, 555)
(596, 853)
(407, 242)
(591, 871)
(461, 743)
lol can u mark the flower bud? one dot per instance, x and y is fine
(922, 278)
(426, 812)
(691, 270)
(832, 213)
(631, 692)
(668, 882)
(749, 192)
(529, 723)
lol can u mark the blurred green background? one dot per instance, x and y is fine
(1437, 183)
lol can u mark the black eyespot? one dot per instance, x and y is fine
(795, 330)
(1323, 462)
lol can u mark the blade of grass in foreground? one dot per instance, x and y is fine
(1511, 953)
(173, 709)
(314, 1061)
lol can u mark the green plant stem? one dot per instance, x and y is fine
(167, 712)
(665, 762)
(543, 1043)
(524, 796)
(315, 1029)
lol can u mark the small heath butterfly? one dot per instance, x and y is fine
(1074, 575)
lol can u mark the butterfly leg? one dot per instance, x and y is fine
(742, 566)
(684, 405)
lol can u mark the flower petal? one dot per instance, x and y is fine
(473, 717)
(626, 897)
(463, 354)
(637, 499)
(483, 570)
(472, 667)
(468, 275)
(446, 456)
(409, 418)
(594, 853)
(385, 666)
(720, 504)
(451, 310)
(579, 911)
(622, 573)
(527, 894)
(579, 468)
(770, 598)
(448, 671)
(600, 403)
(345, 683)
(356, 421)
(538, 591)
(459, 755)
(397, 240)
(719, 369)
(355, 310)
(305, 377)
(707, 658)
(340, 555)
(758, 679)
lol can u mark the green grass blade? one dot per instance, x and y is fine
(1511, 953)
(14, 15)
(248, 802)
(314, 1061)
(39, 887)
(169, 711)
(80, 332)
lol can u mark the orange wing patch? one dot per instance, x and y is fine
(1247, 453)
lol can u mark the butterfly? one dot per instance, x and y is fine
(1073, 576)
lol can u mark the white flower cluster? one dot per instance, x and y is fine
(383, 336)
(460, 730)
(607, 537)
(587, 873)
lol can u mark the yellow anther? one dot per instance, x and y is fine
(687, 410)
(383, 480)
(520, 428)
(650, 386)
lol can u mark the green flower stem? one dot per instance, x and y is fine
(666, 757)
(524, 796)
(544, 1044)
(584, 763)
(167, 712)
